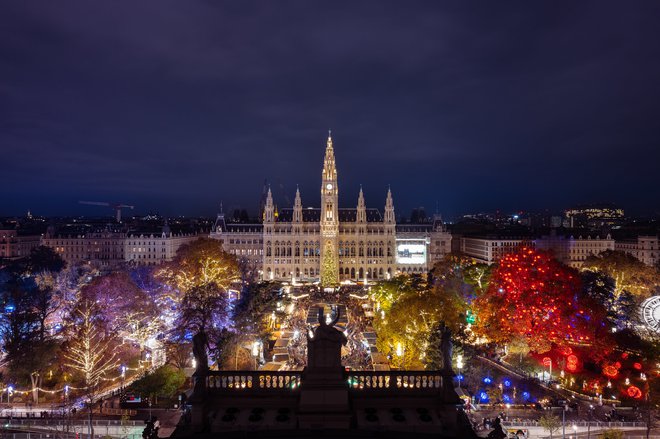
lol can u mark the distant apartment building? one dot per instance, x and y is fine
(489, 249)
(15, 246)
(104, 250)
(154, 249)
(573, 251)
(110, 249)
(644, 248)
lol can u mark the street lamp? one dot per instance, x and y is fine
(459, 365)
(575, 430)
(255, 354)
(123, 376)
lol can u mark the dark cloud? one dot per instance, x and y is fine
(174, 106)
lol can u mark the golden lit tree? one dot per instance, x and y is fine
(629, 273)
(202, 262)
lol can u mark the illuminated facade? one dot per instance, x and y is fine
(15, 246)
(594, 216)
(574, 251)
(644, 248)
(333, 244)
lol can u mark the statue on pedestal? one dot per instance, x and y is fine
(447, 349)
(200, 343)
(324, 348)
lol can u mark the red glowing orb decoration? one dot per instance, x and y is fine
(572, 363)
(566, 350)
(617, 365)
(624, 355)
(547, 361)
(638, 366)
(634, 392)
(610, 371)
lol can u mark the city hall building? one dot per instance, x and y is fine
(333, 244)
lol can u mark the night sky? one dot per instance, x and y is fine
(175, 106)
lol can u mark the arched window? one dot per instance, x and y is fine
(352, 273)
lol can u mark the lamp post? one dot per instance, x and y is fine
(459, 365)
(123, 376)
(66, 407)
(255, 354)
(563, 422)
(591, 412)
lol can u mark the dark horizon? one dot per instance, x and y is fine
(175, 108)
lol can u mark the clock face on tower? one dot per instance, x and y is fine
(328, 186)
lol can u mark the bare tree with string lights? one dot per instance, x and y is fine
(90, 353)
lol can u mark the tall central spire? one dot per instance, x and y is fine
(329, 168)
(329, 218)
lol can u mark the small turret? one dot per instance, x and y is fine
(269, 208)
(361, 216)
(389, 208)
(297, 208)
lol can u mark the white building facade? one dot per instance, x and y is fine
(574, 251)
(644, 248)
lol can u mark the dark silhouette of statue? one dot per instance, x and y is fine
(324, 347)
(200, 342)
(447, 348)
(498, 431)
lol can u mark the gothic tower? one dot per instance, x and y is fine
(297, 214)
(329, 219)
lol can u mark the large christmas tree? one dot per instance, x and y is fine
(329, 268)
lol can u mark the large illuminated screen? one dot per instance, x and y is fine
(409, 253)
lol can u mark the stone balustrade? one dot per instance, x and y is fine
(289, 381)
(248, 381)
(401, 381)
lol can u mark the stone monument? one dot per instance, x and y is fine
(198, 397)
(324, 401)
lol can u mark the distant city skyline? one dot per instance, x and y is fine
(176, 108)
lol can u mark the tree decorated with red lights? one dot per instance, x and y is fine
(533, 296)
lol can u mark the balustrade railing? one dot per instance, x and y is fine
(224, 380)
(286, 381)
(404, 380)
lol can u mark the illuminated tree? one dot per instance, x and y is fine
(550, 423)
(411, 314)
(126, 309)
(328, 270)
(202, 262)
(628, 272)
(204, 308)
(532, 295)
(601, 287)
(90, 352)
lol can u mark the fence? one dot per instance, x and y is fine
(594, 424)
(76, 422)
(248, 382)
